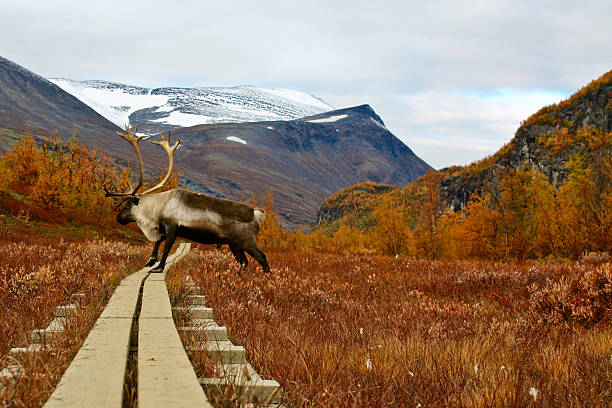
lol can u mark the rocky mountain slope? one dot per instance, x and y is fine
(300, 161)
(163, 109)
(546, 142)
(31, 104)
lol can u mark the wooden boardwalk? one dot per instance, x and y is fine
(96, 376)
(141, 306)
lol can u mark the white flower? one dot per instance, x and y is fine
(411, 373)
(369, 364)
(476, 369)
(361, 331)
(534, 393)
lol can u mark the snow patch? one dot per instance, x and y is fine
(299, 97)
(183, 119)
(270, 127)
(165, 108)
(114, 104)
(236, 139)
(329, 119)
(378, 123)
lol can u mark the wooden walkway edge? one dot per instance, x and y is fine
(165, 375)
(95, 378)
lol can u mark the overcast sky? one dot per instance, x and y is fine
(451, 79)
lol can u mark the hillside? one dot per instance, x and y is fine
(554, 176)
(544, 142)
(31, 104)
(300, 161)
(357, 200)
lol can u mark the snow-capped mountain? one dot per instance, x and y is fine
(161, 109)
(301, 160)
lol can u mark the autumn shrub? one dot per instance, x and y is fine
(595, 257)
(61, 177)
(584, 298)
(391, 234)
(271, 233)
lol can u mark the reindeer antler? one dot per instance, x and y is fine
(133, 140)
(170, 151)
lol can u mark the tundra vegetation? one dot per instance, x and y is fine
(40, 271)
(404, 306)
(346, 330)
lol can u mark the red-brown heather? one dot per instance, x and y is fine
(365, 330)
(36, 275)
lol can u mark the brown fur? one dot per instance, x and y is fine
(225, 208)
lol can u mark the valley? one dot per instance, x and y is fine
(391, 283)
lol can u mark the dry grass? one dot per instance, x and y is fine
(230, 396)
(36, 275)
(350, 330)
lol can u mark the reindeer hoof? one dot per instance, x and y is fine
(157, 270)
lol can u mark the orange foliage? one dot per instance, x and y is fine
(271, 233)
(391, 235)
(592, 138)
(524, 218)
(428, 243)
(61, 178)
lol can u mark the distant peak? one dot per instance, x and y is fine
(344, 113)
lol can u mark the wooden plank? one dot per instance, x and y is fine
(165, 375)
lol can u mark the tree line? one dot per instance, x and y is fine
(525, 217)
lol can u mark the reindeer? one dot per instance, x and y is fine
(166, 215)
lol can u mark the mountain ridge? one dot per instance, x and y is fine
(30, 103)
(162, 109)
(306, 159)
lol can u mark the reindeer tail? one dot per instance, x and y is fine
(260, 216)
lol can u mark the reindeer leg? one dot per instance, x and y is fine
(259, 257)
(239, 255)
(153, 258)
(170, 238)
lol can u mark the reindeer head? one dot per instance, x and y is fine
(126, 216)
